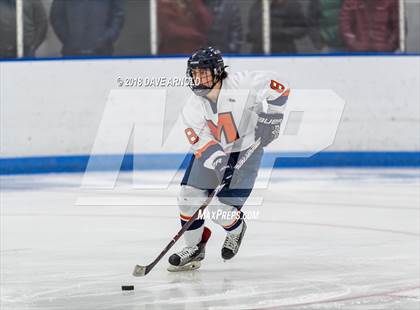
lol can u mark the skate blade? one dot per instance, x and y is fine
(187, 267)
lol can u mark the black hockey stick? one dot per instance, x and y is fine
(140, 271)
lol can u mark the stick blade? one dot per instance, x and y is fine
(140, 271)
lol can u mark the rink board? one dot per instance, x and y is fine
(51, 126)
(166, 161)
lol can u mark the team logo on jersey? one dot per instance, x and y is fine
(225, 124)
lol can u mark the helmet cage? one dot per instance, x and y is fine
(208, 58)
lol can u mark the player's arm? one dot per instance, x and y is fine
(273, 93)
(206, 149)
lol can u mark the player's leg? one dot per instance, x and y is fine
(230, 218)
(232, 199)
(197, 235)
(192, 195)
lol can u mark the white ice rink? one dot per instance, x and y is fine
(325, 239)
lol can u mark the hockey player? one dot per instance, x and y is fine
(222, 121)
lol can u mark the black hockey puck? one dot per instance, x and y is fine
(127, 287)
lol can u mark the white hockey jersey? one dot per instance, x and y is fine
(231, 121)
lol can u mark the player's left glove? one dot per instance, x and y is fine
(217, 160)
(224, 171)
(268, 127)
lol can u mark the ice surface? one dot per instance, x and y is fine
(325, 239)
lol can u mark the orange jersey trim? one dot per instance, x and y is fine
(184, 217)
(230, 225)
(200, 151)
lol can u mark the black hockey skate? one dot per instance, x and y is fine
(232, 243)
(189, 257)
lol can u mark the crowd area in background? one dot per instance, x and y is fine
(92, 27)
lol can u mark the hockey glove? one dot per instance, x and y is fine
(268, 127)
(224, 171)
(216, 159)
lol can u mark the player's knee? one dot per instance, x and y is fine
(190, 199)
(221, 213)
(238, 201)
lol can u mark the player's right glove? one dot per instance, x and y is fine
(268, 127)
